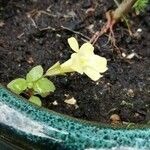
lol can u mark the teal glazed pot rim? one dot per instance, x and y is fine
(27, 126)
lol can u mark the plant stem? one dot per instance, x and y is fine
(123, 9)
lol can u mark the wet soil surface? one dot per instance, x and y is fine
(35, 32)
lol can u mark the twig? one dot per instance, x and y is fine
(76, 32)
(48, 28)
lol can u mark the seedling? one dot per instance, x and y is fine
(82, 61)
(34, 84)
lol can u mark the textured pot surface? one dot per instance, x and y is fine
(28, 126)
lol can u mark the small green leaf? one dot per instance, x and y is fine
(18, 85)
(140, 5)
(34, 74)
(44, 87)
(36, 100)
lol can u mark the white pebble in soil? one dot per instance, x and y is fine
(71, 101)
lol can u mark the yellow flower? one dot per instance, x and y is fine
(84, 60)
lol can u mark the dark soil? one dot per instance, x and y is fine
(125, 87)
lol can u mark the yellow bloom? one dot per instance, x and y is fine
(84, 60)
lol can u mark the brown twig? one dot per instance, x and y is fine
(76, 32)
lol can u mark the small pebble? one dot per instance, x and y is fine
(115, 119)
(130, 93)
(58, 35)
(123, 55)
(55, 103)
(124, 103)
(97, 83)
(130, 56)
(136, 115)
(71, 101)
(30, 60)
(90, 28)
(139, 30)
(66, 95)
(2, 23)
(76, 106)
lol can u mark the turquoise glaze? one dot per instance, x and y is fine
(30, 127)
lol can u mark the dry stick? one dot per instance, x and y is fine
(76, 32)
(112, 18)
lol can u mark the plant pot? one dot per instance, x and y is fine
(24, 125)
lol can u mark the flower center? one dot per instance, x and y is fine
(83, 61)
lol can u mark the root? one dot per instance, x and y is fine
(112, 18)
(108, 27)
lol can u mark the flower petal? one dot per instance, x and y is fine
(93, 74)
(76, 63)
(66, 66)
(86, 50)
(73, 44)
(73, 64)
(98, 63)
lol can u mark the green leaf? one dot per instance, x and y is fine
(34, 74)
(44, 87)
(36, 100)
(140, 5)
(30, 85)
(18, 85)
